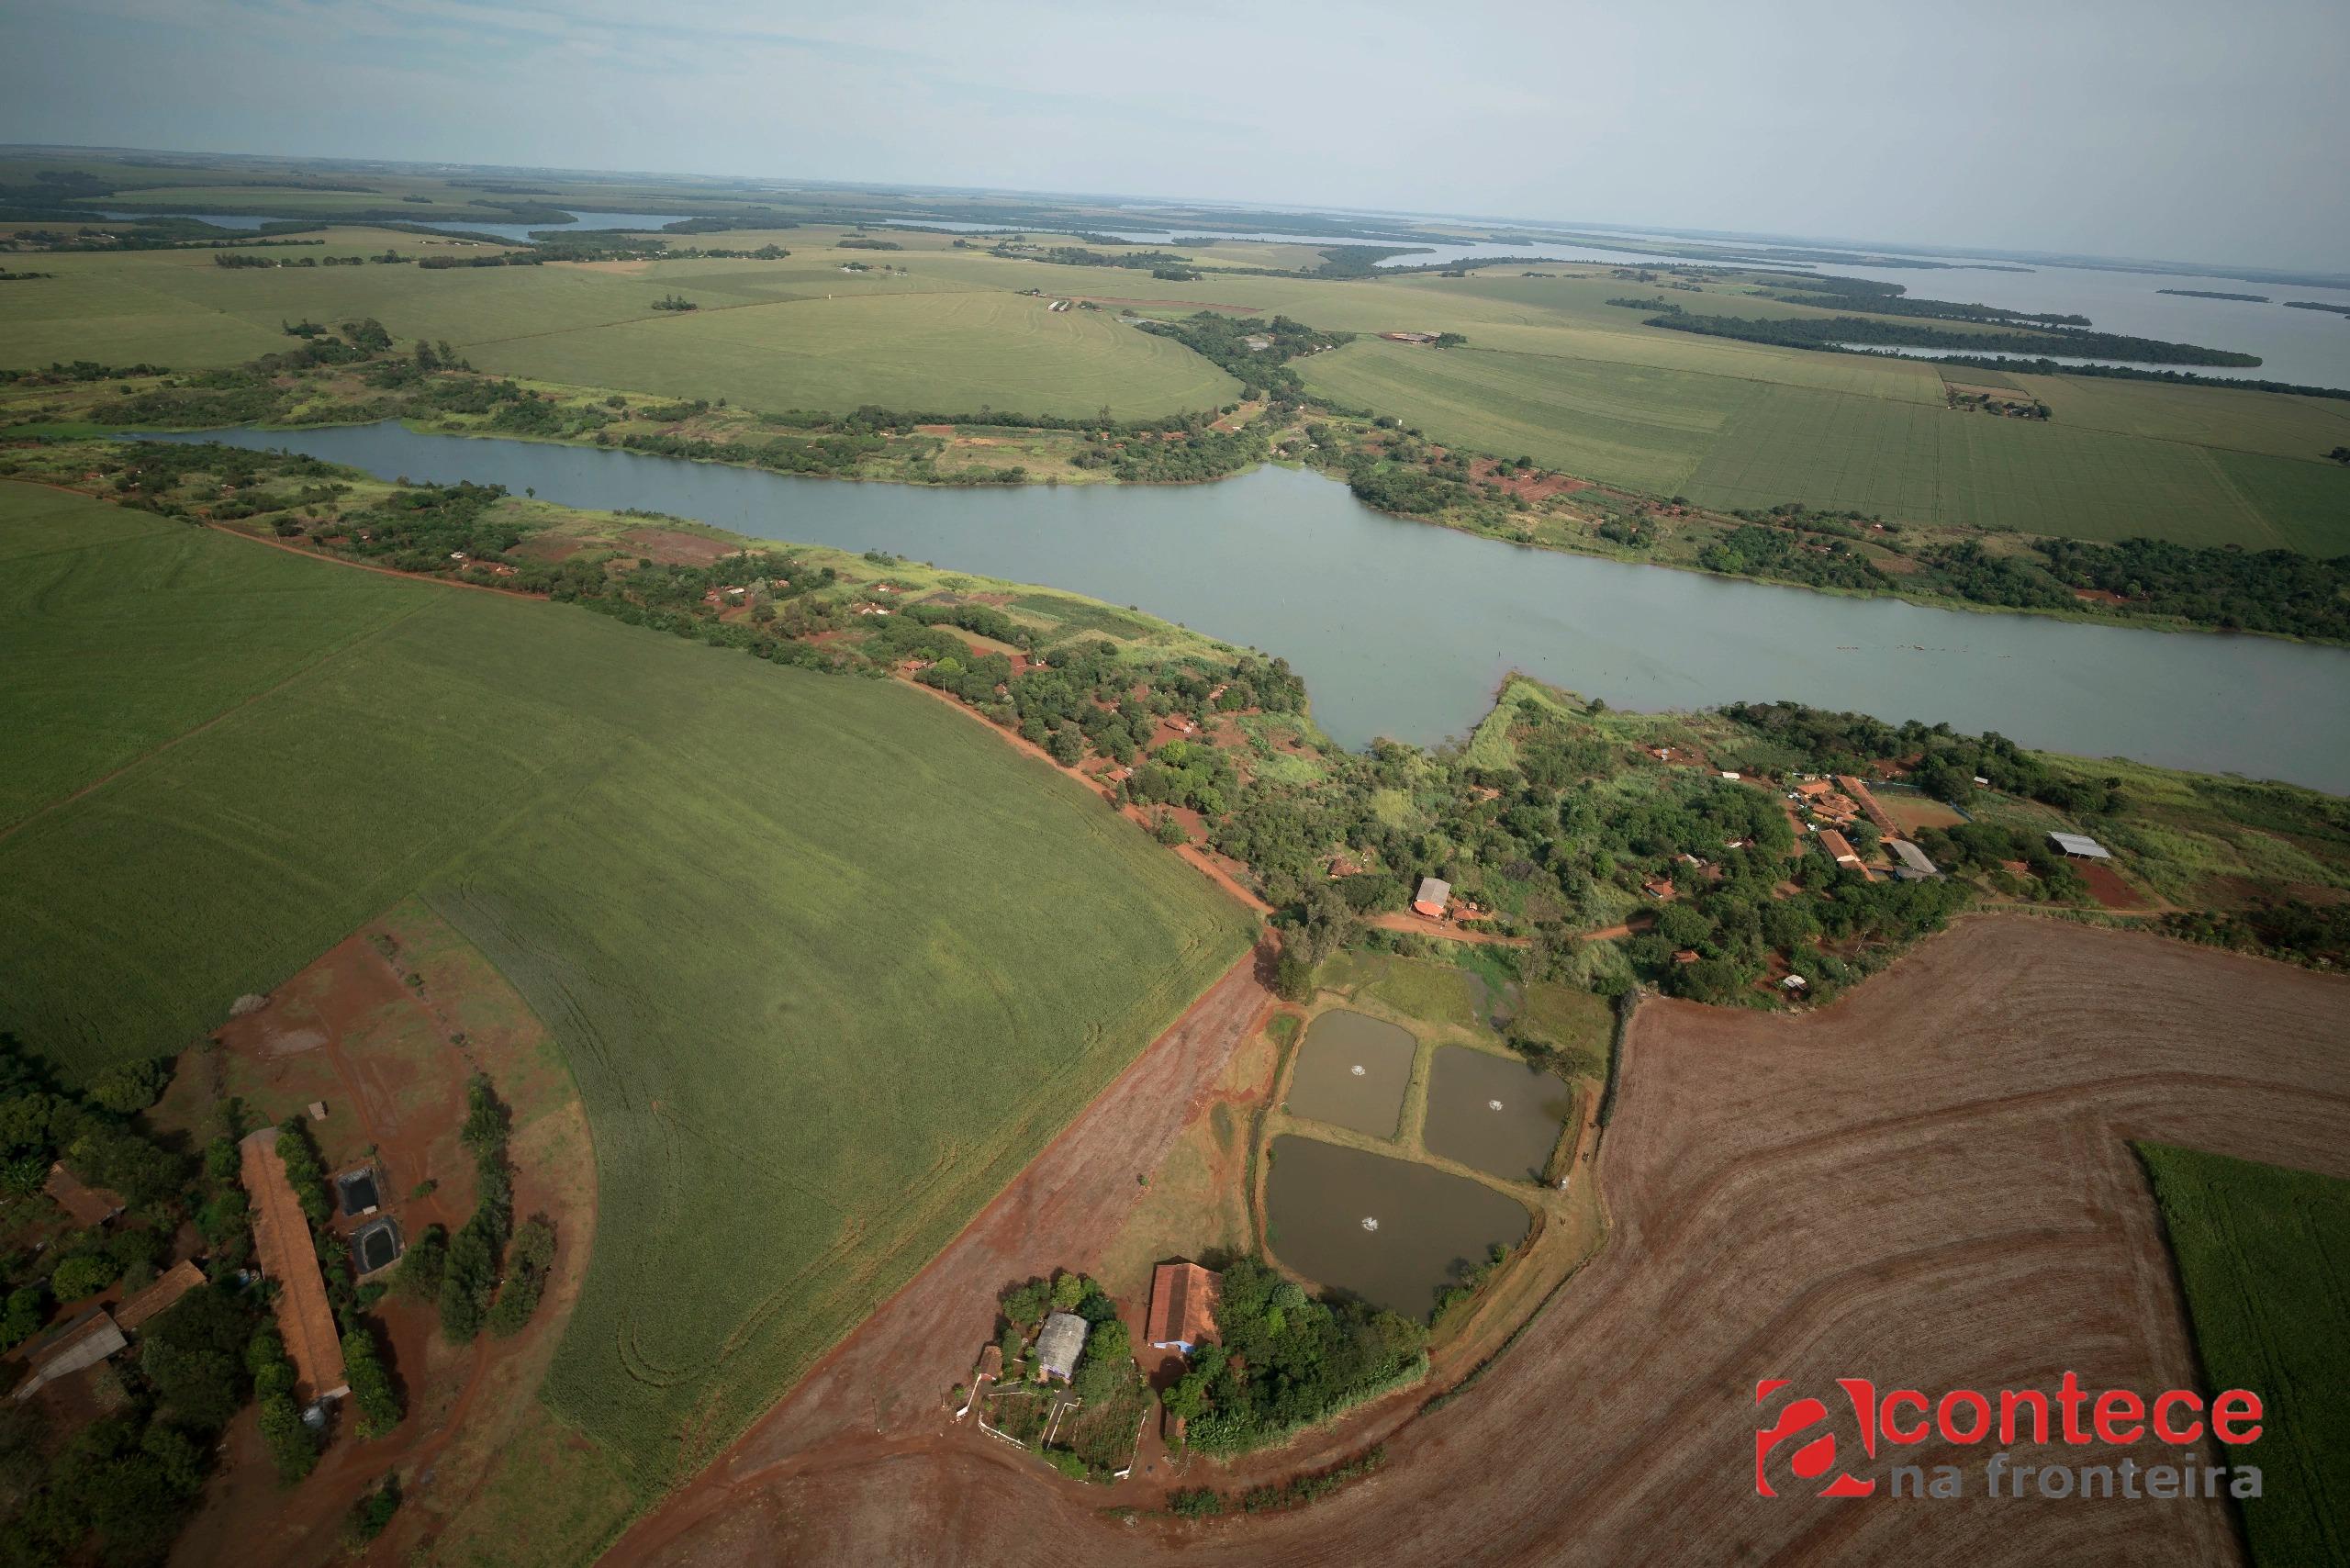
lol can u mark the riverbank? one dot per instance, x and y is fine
(1403, 630)
(1390, 469)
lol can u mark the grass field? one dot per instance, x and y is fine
(2264, 1254)
(828, 961)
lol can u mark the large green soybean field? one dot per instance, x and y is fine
(2265, 1253)
(828, 961)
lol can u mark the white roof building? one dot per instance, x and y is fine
(2080, 846)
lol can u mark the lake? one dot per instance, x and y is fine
(1391, 1231)
(1405, 630)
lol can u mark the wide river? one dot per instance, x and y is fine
(1403, 629)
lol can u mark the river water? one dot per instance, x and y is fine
(515, 233)
(1403, 629)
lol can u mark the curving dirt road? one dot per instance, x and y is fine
(1928, 1184)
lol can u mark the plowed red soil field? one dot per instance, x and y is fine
(1929, 1185)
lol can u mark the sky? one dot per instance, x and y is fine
(2155, 128)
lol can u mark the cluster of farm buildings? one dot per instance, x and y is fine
(282, 1252)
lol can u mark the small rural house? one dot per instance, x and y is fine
(1183, 1306)
(2079, 846)
(1057, 1348)
(1434, 896)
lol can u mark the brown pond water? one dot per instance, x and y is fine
(1494, 1113)
(1425, 1224)
(1352, 1071)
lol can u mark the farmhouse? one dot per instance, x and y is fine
(85, 1204)
(2079, 846)
(159, 1297)
(1183, 1306)
(84, 1342)
(1057, 1348)
(283, 1247)
(1435, 894)
(1839, 849)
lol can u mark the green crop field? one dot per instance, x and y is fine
(1736, 442)
(794, 333)
(944, 353)
(2265, 1253)
(1552, 370)
(828, 961)
(1627, 424)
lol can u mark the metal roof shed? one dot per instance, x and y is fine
(2080, 846)
(1062, 1341)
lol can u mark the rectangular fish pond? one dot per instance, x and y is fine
(1351, 1072)
(1393, 1232)
(1496, 1114)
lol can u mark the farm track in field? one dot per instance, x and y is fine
(1931, 1185)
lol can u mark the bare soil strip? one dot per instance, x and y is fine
(1929, 1185)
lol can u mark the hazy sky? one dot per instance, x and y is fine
(2168, 128)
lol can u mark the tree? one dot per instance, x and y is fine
(1069, 1289)
(371, 1383)
(1026, 1304)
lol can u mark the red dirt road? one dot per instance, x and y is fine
(1928, 1183)
(883, 1391)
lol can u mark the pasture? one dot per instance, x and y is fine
(2260, 1249)
(828, 961)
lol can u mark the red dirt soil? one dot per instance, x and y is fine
(1928, 1183)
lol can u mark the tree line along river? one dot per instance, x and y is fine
(1403, 629)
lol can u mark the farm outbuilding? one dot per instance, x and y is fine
(1839, 849)
(283, 1247)
(1910, 856)
(1434, 896)
(1183, 1306)
(84, 1342)
(159, 1297)
(1057, 1348)
(2079, 846)
(85, 1206)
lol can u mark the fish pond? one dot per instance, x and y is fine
(1391, 1231)
(1494, 1114)
(1352, 1071)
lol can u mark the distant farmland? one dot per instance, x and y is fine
(2265, 1253)
(828, 961)
(1728, 441)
